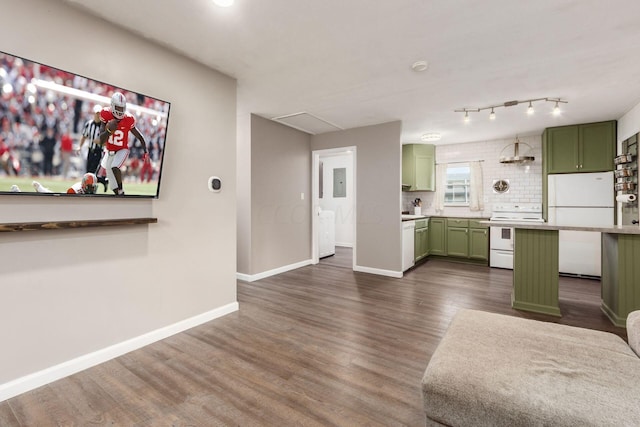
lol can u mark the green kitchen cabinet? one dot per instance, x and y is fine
(562, 148)
(418, 167)
(458, 242)
(458, 237)
(438, 236)
(479, 243)
(580, 148)
(421, 242)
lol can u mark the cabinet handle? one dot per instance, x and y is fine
(576, 166)
(485, 232)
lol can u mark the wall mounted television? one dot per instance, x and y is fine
(48, 146)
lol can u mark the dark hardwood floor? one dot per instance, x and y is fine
(342, 258)
(317, 346)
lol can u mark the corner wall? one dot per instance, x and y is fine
(280, 197)
(378, 188)
(67, 294)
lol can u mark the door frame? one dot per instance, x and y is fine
(315, 197)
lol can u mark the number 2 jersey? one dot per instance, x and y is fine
(119, 139)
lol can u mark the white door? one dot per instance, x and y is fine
(327, 230)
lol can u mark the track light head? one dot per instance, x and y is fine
(530, 109)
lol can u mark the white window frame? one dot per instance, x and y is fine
(465, 184)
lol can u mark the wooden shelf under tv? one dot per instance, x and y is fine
(81, 223)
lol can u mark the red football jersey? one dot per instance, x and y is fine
(119, 139)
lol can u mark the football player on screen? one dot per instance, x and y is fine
(87, 185)
(117, 125)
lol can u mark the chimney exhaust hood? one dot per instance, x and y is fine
(516, 158)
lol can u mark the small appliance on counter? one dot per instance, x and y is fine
(501, 237)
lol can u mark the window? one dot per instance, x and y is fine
(457, 189)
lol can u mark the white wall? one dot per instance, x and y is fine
(525, 181)
(343, 207)
(69, 293)
(629, 124)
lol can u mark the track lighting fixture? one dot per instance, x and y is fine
(492, 115)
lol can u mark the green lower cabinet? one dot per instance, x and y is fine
(438, 236)
(479, 243)
(421, 241)
(458, 242)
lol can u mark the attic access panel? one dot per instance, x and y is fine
(307, 122)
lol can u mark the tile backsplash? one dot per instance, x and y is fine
(525, 181)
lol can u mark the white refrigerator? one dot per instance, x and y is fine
(581, 199)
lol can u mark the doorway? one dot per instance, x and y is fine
(334, 191)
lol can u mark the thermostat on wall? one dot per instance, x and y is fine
(215, 184)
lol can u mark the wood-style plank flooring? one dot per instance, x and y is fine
(317, 346)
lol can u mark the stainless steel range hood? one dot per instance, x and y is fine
(516, 158)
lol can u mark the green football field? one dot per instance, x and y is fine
(58, 185)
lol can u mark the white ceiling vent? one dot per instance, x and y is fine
(307, 122)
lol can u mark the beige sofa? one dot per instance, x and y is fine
(496, 370)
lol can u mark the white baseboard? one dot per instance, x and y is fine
(344, 245)
(54, 373)
(378, 271)
(283, 269)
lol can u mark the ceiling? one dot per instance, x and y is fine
(349, 62)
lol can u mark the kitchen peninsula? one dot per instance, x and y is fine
(535, 270)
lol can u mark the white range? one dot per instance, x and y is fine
(501, 237)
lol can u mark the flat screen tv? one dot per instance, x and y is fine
(62, 134)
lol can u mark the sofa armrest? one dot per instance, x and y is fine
(633, 331)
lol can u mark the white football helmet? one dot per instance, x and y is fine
(89, 183)
(118, 105)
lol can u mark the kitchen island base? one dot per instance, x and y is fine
(535, 271)
(620, 266)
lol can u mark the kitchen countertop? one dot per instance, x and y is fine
(407, 217)
(617, 229)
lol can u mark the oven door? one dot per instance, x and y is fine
(501, 238)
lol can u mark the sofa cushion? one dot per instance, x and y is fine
(495, 370)
(633, 331)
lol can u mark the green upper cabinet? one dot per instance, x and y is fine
(580, 148)
(598, 146)
(418, 167)
(562, 149)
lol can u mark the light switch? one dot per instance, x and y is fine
(301, 196)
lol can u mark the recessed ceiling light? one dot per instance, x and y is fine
(419, 66)
(431, 137)
(223, 3)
